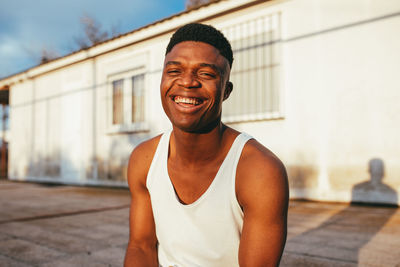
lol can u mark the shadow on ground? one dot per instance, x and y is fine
(345, 238)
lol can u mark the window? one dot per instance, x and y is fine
(137, 98)
(127, 101)
(256, 70)
(117, 101)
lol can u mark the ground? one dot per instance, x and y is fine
(87, 226)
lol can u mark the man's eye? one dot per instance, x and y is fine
(207, 74)
(173, 71)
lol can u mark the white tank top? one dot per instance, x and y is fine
(206, 232)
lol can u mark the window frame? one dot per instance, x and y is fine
(127, 125)
(240, 32)
(117, 85)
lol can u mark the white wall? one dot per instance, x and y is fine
(341, 89)
(340, 94)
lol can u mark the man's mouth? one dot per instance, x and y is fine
(187, 100)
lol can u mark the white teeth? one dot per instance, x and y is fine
(187, 100)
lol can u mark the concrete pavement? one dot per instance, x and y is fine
(85, 226)
(332, 234)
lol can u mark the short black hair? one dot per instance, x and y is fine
(202, 33)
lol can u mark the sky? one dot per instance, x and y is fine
(28, 26)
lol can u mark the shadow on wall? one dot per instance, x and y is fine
(114, 165)
(374, 190)
(302, 177)
(63, 170)
(45, 166)
(342, 236)
(110, 167)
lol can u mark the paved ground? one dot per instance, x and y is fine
(79, 226)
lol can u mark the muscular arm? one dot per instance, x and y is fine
(262, 191)
(142, 246)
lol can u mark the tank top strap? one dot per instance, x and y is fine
(236, 149)
(160, 154)
(229, 171)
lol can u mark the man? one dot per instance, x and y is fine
(204, 194)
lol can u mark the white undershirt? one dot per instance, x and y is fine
(206, 232)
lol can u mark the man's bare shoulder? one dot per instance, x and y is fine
(145, 150)
(141, 158)
(254, 154)
(260, 172)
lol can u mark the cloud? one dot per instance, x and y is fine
(29, 26)
(13, 57)
(9, 46)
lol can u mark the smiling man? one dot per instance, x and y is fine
(204, 194)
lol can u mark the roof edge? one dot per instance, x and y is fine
(168, 24)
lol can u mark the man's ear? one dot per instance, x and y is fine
(228, 90)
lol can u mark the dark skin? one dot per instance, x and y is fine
(195, 82)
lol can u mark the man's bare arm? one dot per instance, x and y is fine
(262, 191)
(142, 246)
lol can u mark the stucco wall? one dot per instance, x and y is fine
(339, 91)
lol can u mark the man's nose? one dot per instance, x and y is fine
(189, 80)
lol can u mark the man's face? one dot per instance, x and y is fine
(194, 83)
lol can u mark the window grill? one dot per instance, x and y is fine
(138, 98)
(256, 70)
(117, 101)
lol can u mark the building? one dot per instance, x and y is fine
(315, 81)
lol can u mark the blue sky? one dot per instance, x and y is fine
(28, 26)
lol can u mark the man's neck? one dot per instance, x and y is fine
(191, 148)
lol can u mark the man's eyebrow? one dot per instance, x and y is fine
(209, 65)
(173, 63)
(213, 66)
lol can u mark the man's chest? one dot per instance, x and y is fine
(191, 183)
